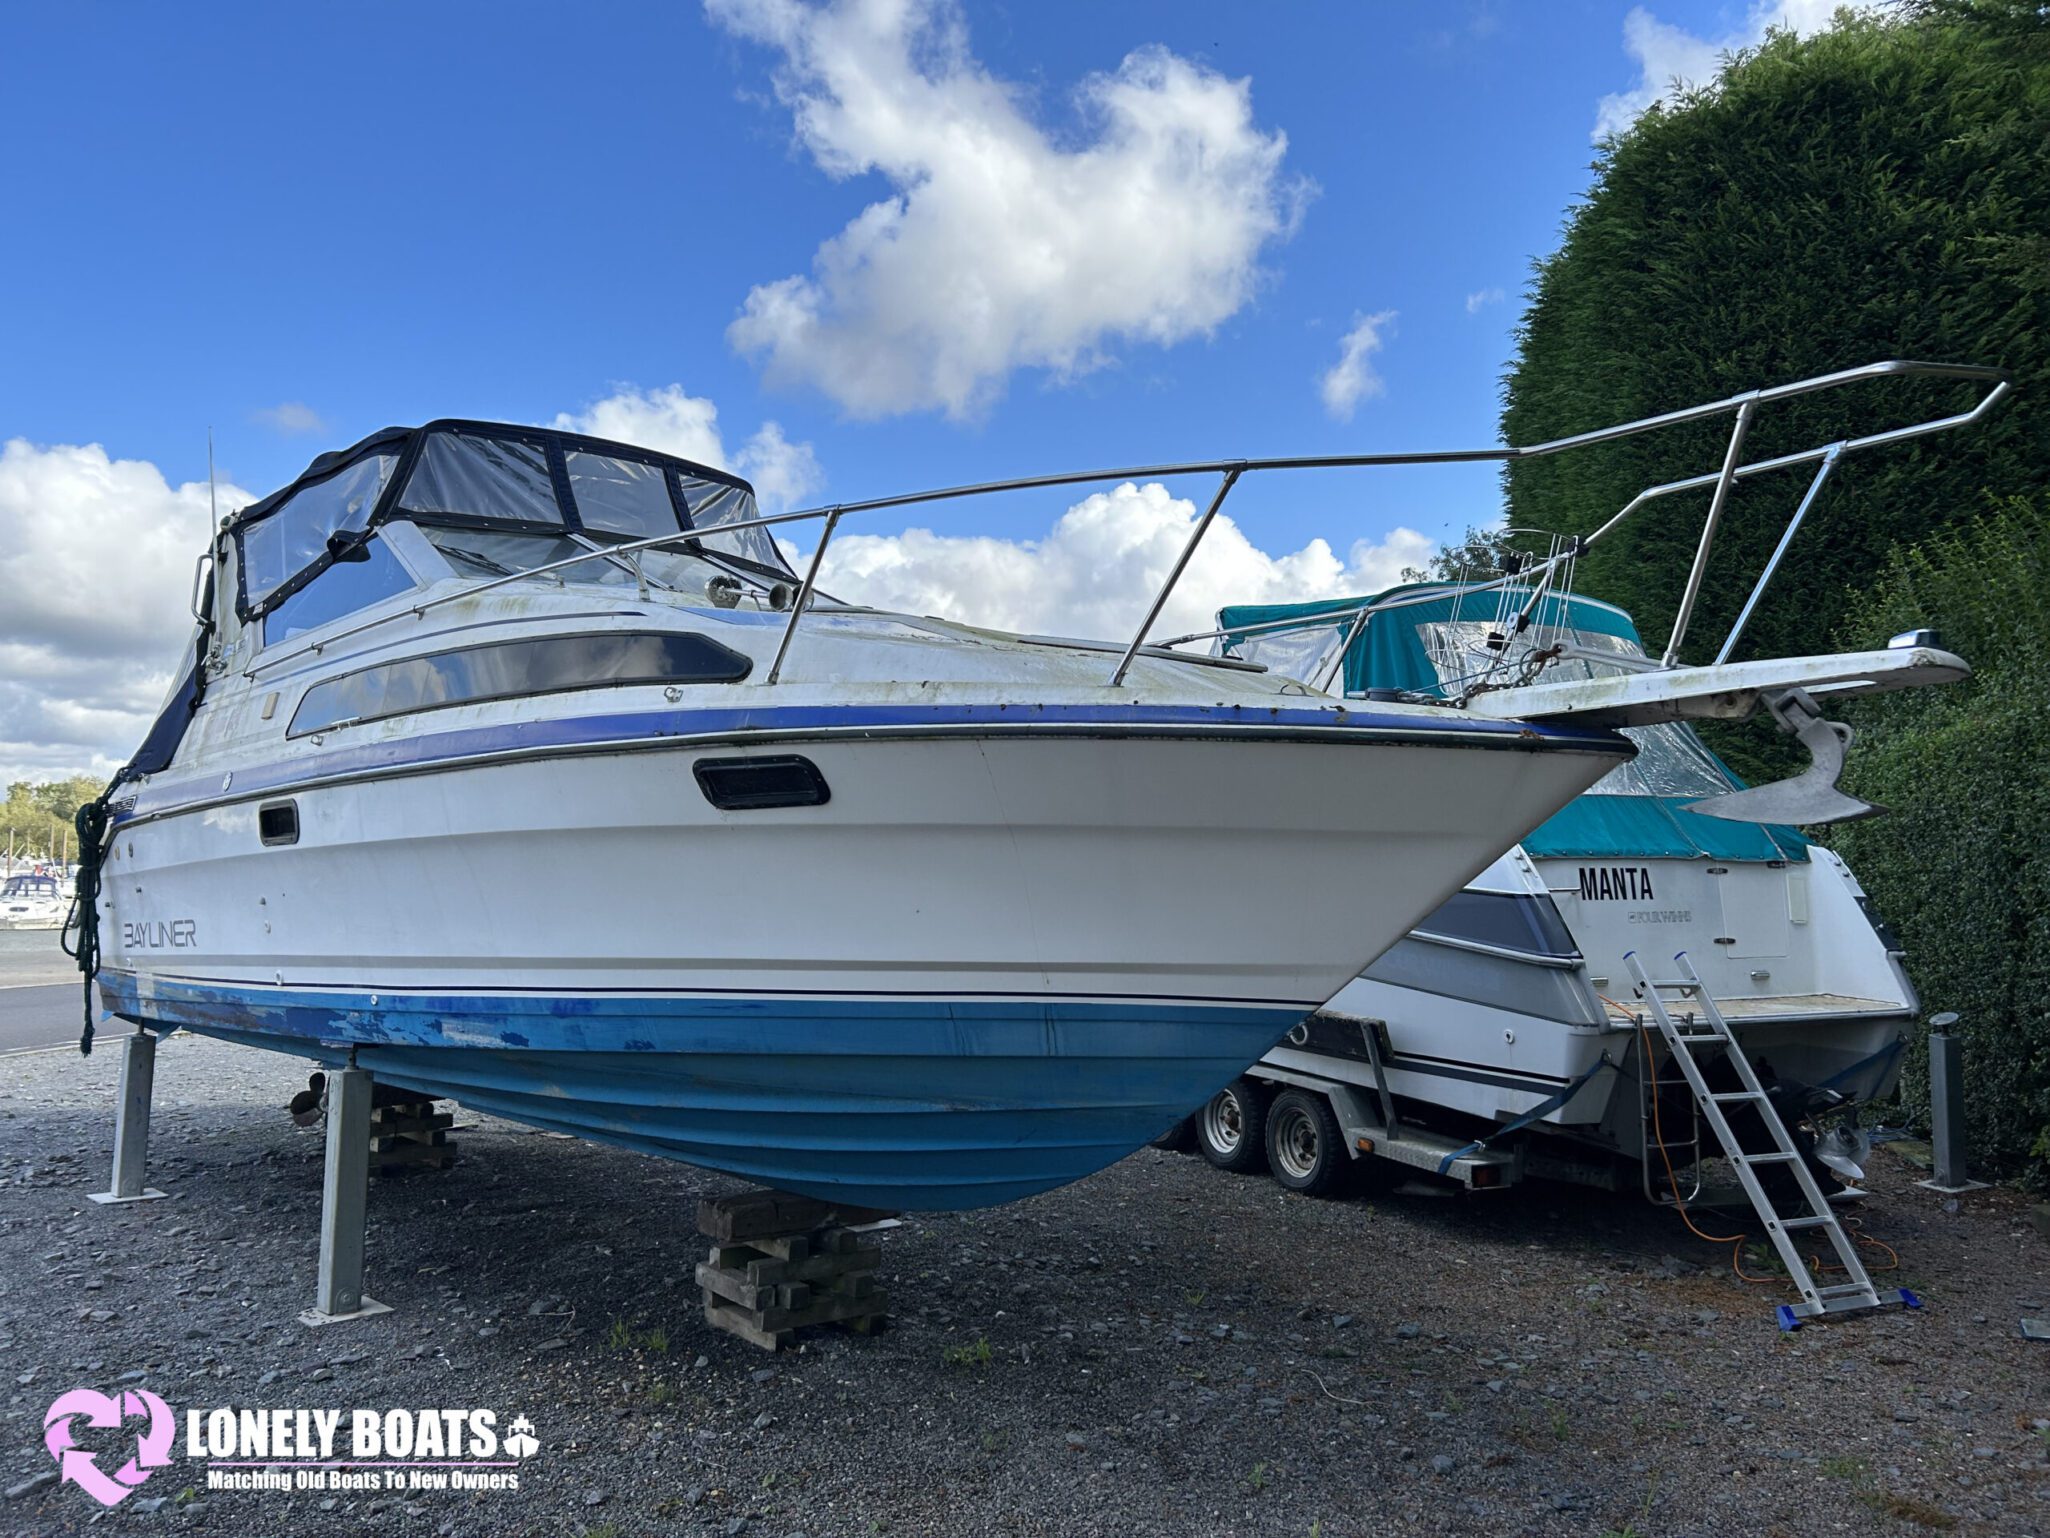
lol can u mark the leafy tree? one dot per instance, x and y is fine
(35, 819)
(1880, 190)
(1958, 863)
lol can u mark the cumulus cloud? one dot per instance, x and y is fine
(1001, 244)
(94, 552)
(294, 418)
(1352, 378)
(1099, 566)
(1670, 59)
(783, 473)
(1481, 297)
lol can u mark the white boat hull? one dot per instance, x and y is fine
(987, 965)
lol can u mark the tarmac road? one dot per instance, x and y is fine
(39, 1015)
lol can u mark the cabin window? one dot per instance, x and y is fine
(621, 496)
(343, 588)
(294, 535)
(512, 669)
(468, 476)
(1506, 921)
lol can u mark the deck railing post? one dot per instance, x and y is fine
(1231, 478)
(1715, 514)
(1772, 565)
(804, 592)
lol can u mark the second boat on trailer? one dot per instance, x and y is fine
(1503, 1023)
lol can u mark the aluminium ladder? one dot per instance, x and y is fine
(1699, 1024)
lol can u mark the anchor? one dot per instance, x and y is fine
(1805, 799)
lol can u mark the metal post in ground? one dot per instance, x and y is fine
(343, 1201)
(1947, 1108)
(131, 1123)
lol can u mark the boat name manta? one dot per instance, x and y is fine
(1622, 883)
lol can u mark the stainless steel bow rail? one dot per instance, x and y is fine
(1744, 407)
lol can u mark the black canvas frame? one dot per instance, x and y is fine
(411, 441)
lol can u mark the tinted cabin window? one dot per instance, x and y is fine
(509, 669)
(1503, 920)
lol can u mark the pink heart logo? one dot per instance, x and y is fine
(152, 1448)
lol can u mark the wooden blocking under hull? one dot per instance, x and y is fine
(766, 1286)
(408, 1135)
(774, 1215)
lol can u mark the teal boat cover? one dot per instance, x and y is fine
(1436, 642)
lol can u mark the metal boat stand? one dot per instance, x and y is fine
(131, 1123)
(781, 1262)
(344, 1196)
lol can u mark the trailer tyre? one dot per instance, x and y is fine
(1305, 1148)
(1231, 1129)
(1180, 1138)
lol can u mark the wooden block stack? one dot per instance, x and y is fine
(781, 1262)
(408, 1135)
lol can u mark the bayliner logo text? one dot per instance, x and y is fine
(160, 935)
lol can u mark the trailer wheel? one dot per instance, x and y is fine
(1305, 1149)
(1231, 1129)
(1180, 1138)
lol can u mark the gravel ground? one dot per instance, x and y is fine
(1161, 1349)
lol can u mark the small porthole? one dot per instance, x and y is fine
(754, 784)
(278, 823)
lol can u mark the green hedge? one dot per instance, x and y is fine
(1961, 863)
(1880, 190)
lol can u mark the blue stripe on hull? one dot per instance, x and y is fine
(900, 1103)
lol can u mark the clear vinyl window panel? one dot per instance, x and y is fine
(621, 496)
(1304, 653)
(467, 475)
(294, 535)
(712, 503)
(512, 669)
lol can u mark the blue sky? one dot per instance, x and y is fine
(384, 213)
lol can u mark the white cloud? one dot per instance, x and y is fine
(783, 473)
(294, 418)
(94, 556)
(1483, 296)
(1001, 245)
(1352, 378)
(1666, 54)
(1099, 566)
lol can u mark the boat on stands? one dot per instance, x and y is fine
(893, 911)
